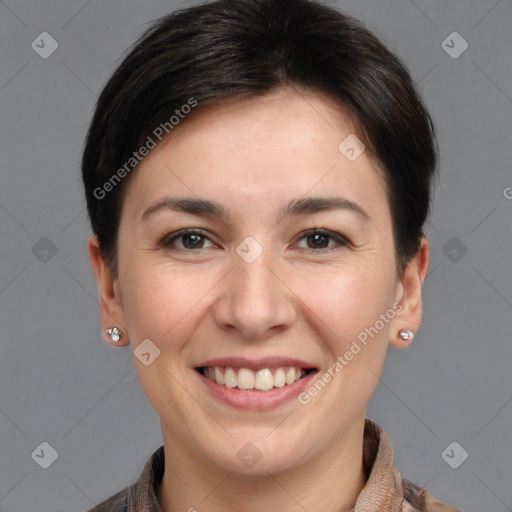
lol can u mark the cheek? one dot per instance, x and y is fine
(346, 301)
(164, 305)
(161, 302)
(345, 305)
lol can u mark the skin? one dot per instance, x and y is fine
(253, 156)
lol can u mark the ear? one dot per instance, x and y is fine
(408, 295)
(110, 299)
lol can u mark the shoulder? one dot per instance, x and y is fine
(142, 494)
(116, 503)
(418, 499)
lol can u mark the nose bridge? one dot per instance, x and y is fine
(255, 301)
(254, 279)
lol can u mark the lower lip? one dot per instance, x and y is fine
(256, 400)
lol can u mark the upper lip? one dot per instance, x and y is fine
(256, 364)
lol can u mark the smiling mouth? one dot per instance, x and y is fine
(245, 379)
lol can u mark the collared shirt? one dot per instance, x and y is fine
(384, 491)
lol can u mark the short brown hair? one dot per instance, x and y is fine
(226, 48)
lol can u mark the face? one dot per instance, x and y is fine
(246, 296)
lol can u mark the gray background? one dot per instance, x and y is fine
(60, 383)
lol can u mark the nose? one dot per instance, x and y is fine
(255, 300)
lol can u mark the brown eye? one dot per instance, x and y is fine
(318, 239)
(191, 239)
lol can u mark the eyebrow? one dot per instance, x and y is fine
(296, 207)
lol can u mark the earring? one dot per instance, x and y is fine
(114, 334)
(406, 334)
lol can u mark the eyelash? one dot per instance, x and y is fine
(340, 239)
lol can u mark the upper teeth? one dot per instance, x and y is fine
(263, 380)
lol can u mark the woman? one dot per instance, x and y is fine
(258, 176)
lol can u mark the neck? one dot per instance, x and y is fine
(329, 481)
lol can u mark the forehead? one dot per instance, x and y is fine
(278, 146)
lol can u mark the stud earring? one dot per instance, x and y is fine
(406, 334)
(114, 334)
